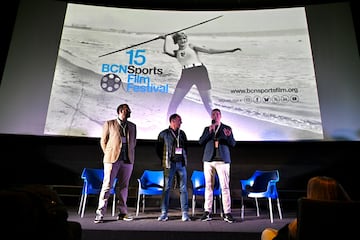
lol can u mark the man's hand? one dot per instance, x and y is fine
(227, 131)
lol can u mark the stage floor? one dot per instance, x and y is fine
(145, 225)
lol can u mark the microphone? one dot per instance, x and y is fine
(216, 142)
(212, 127)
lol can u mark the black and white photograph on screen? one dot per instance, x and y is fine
(262, 76)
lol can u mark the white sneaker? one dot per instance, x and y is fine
(99, 218)
(185, 217)
(163, 217)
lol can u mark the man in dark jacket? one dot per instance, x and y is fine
(217, 138)
(171, 149)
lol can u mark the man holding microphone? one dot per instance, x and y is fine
(217, 139)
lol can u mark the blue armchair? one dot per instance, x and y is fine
(262, 184)
(198, 189)
(93, 179)
(150, 183)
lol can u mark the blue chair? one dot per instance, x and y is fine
(198, 189)
(93, 179)
(262, 184)
(150, 183)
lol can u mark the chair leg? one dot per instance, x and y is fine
(279, 209)
(271, 211)
(242, 208)
(214, 204)
(193, 203)
(81, 203)
(220, 206)
(83, 206)
(257, 207)
(113, 205)
(143, 203)
(138, 204)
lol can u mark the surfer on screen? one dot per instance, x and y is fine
(193, 71)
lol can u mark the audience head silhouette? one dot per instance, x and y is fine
(325, 188)
(318, 188)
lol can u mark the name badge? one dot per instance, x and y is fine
(178, 150)
(216, 144)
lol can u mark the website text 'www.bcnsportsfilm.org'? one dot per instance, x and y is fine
(268, 95)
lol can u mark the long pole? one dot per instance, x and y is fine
(138, 44)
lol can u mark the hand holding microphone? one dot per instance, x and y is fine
(212, 126)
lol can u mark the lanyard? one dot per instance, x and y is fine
(122, 127)
(217, 129)
(176, 137)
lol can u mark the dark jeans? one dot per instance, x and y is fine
(169, 174)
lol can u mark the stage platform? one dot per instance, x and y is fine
(146, 226)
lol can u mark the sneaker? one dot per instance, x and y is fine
(124, 217)
(185, 217)
(229, 218)
(163, 217)
(206, 216)
(99, 218)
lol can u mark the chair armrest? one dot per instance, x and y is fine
(245, 183)
(139, 183)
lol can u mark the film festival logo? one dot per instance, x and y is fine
(111, 82)
(138, 79)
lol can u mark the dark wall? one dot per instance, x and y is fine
(60, 160)
(7, 19)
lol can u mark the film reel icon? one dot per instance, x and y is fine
(110, 82)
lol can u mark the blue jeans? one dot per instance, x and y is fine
(169, 175)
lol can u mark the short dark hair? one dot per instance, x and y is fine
(121, 107)
(216, 110)
(173, 116)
